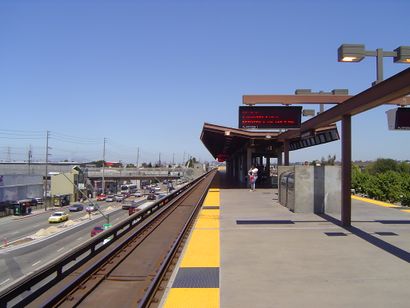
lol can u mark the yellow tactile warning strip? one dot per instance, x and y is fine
(376, 202)
(197, 281)
(193, 297)
(379, 203)
(212, 198)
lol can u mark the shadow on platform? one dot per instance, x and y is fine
(394, 250)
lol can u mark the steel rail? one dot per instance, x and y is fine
(149, 294)
(28, 288)
(77, 290)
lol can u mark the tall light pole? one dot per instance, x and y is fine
(46, 179)
(78, 169)
(357, 52)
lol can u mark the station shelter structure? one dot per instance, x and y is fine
(241, 149)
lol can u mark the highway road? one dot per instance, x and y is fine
(16, 227)
(19, 261)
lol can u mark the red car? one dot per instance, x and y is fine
(101, 197)
(133, 209)
(96, 230)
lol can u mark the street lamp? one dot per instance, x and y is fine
(357, 52)
(78, 169)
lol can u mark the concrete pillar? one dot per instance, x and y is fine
(248, 159)
(286, 152)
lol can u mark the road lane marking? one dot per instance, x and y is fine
(60, 249)
(1, 283)
(36, 263)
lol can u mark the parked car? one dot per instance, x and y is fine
(110, 198)
(77, 207)
(126, 205)
(39, 200)
(119, 198)
(133, 209)
(96, 230)
(101, 197)
(138, 194)
(58, 217)
(91, 208)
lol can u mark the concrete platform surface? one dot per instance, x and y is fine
(271, 257)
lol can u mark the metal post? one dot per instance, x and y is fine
(103, 168)
(107, 217)
(379, 60)
(280, 159)
(346, 171)
(286, 151)
(46, 179)
(30, 156)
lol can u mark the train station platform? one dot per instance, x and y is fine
(246, 250)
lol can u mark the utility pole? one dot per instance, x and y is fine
(173, 159)
(30, 156)
(46, 179)
(138, 156)
(8, 154)
(103, 168)
(159, 159)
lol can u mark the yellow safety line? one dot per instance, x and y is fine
(376, 202)
(202, 251)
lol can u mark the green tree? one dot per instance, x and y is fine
(382, 165)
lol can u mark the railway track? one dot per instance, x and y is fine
(130, 270)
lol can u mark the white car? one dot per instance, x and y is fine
(110, 198)
(119, 198)
(138, 194)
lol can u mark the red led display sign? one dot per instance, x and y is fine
(270, 117)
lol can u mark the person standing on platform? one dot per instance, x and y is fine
(253, 176)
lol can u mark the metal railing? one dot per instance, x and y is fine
(28, 288)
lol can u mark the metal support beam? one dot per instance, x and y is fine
(379, 60)
(346, 170)
(392, 89)
(286, 151)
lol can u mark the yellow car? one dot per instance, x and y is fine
(58, 217)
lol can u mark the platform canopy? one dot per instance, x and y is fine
(222, 142)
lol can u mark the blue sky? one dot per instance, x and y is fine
(148, 74)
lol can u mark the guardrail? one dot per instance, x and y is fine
(28, 288)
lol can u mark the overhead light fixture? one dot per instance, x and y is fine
(308, 112)
(340, 92)
(356, 53)
(227, 133)
(351, 53)
(303, 91)
(403, 54)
